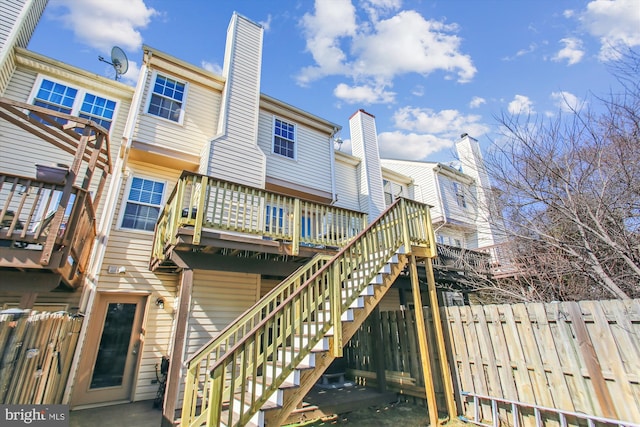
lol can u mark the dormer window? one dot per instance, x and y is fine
(167, 99)
(284, 138)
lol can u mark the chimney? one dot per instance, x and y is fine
(234, 154)
(364, 144)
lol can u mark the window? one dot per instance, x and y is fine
(273, 220)
(143, 204)
(59, 97)
(98, 109)
(459, 192)
(167, 98)
(284, 138)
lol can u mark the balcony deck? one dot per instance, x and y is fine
(47, 221)
(218, 224)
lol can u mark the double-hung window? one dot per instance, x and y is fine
(458, 190)
(143, 204)
(284, 138)
(60, 97)
(167, 98)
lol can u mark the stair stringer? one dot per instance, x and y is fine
(292, 396)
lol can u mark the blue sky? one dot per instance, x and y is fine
(428, 70)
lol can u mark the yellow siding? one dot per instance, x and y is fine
(312, 166)
(202, 106)
(132, 250)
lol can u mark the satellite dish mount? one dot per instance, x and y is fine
(119, 61)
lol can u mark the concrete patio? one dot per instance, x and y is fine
(137, 414)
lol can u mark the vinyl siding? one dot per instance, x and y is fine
(21, 151)
(424, 189)
(239, 126)
(132, 250)
(312, 165)
(347, 185)
(202, 105)
(17, 23)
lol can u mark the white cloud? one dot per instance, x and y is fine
(567, 101)
(410, 146)
(209, 66)
(363, 94)
(615, 22)
(446, 123)
(520, 105)
(266, 24)
(380, 49)
(103, 24)
(131, 76)
(323, 38)
(572, 51)
(477, 101)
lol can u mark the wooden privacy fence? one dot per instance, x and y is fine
(579, 357)
(35, 356)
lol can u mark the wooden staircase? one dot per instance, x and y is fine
(260, 367)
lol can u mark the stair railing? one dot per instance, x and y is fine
(240, 379)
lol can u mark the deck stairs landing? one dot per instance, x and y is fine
(259, 369)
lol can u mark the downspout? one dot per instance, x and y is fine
(100, 248)
(332, 159)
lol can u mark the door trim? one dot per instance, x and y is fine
(93, 335)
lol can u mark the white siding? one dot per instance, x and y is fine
(238, 124)
(201, 107)
(424, 190)
(364, 142)
(347, 185)
(312, 165)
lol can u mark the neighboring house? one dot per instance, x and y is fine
(204, 196)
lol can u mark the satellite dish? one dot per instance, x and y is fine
(119, 61)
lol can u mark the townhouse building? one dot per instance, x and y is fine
(163, 212)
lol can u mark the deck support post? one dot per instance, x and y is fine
(177, 350)
(421, 329)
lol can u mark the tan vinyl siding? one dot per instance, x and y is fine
(132, 250)
(18, 20)
(201, 106)
(312, 165)
(21, 151)
(218, 298)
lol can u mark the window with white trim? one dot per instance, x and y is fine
(66, 99)
(143, 204)
(458, 190)
(167, 98)
(284, 138)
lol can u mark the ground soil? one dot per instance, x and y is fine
(404, 414)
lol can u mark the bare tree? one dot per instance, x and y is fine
(569, 189)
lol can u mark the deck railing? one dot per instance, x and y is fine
(225, 371)
(56, 221)
(204, 202)
(461, 259)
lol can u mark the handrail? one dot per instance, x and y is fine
(200, 201)
(276, 345)
(32, 212)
